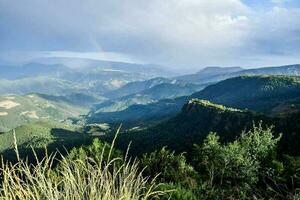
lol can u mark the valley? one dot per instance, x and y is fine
(64, 110)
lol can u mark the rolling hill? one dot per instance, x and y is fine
(258, 93)
(136, 87)
(200, 117)
(153, 94)
(196, 119)
(268, 94)
(75, 74)
(210, 75)
(16, 110)
(50, 134)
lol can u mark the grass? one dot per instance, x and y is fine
(107, 179)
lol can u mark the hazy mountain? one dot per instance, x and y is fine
(291, 70)
(139, 114)
(269, 94)
(211, 75)
(151, 70)
(32, 70)
(83, 74)
(39, 84)
(137, 86)
(151, 95)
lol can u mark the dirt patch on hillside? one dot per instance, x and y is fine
(3, 114)
(10, 98)
(30, 114)
(8, 104)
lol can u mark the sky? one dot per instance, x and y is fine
(181, 34)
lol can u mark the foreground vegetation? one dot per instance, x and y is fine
(247, 168)
(108, 178)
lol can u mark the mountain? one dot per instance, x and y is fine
(136, 87)
(137, 115)
(269, 94)
(291, 70)
(200, 117)
(95, 76)
(32, 70)
(262, 93)
(153, 94)
(38, 84)
(196, 119)
(149, 70)
(16, 110)
(211, 75)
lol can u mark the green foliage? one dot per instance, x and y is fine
(40, 135)
(191, 125)
(96, 151)
(177, 192)
(234, 168)
(78, 179)
(172, 168)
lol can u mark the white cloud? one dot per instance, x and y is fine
(183, 33)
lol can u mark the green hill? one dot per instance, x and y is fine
(37, 84)
(136, 87)
(268, 94)
(50, 134)
(151, 95)
(137, 115)
(257, 93)
(190, 126)
(200, 117)
(16, 110)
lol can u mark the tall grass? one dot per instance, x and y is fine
(109, 179)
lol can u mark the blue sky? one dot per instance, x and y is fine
(183, 34)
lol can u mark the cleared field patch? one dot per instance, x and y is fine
(8, 104)
(3, 114)
(30, 114)
(10, 98)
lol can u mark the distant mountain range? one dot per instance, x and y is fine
(168, 90)
(266, 94)
(211, 75)
(92, 75)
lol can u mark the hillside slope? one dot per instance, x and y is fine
(200, 117)
(211, 75)
(257, 93)
(50, 134)
(268, 94)
(16, 110)
(190, 126)
(151, 95)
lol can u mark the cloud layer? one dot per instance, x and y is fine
(178, 33)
